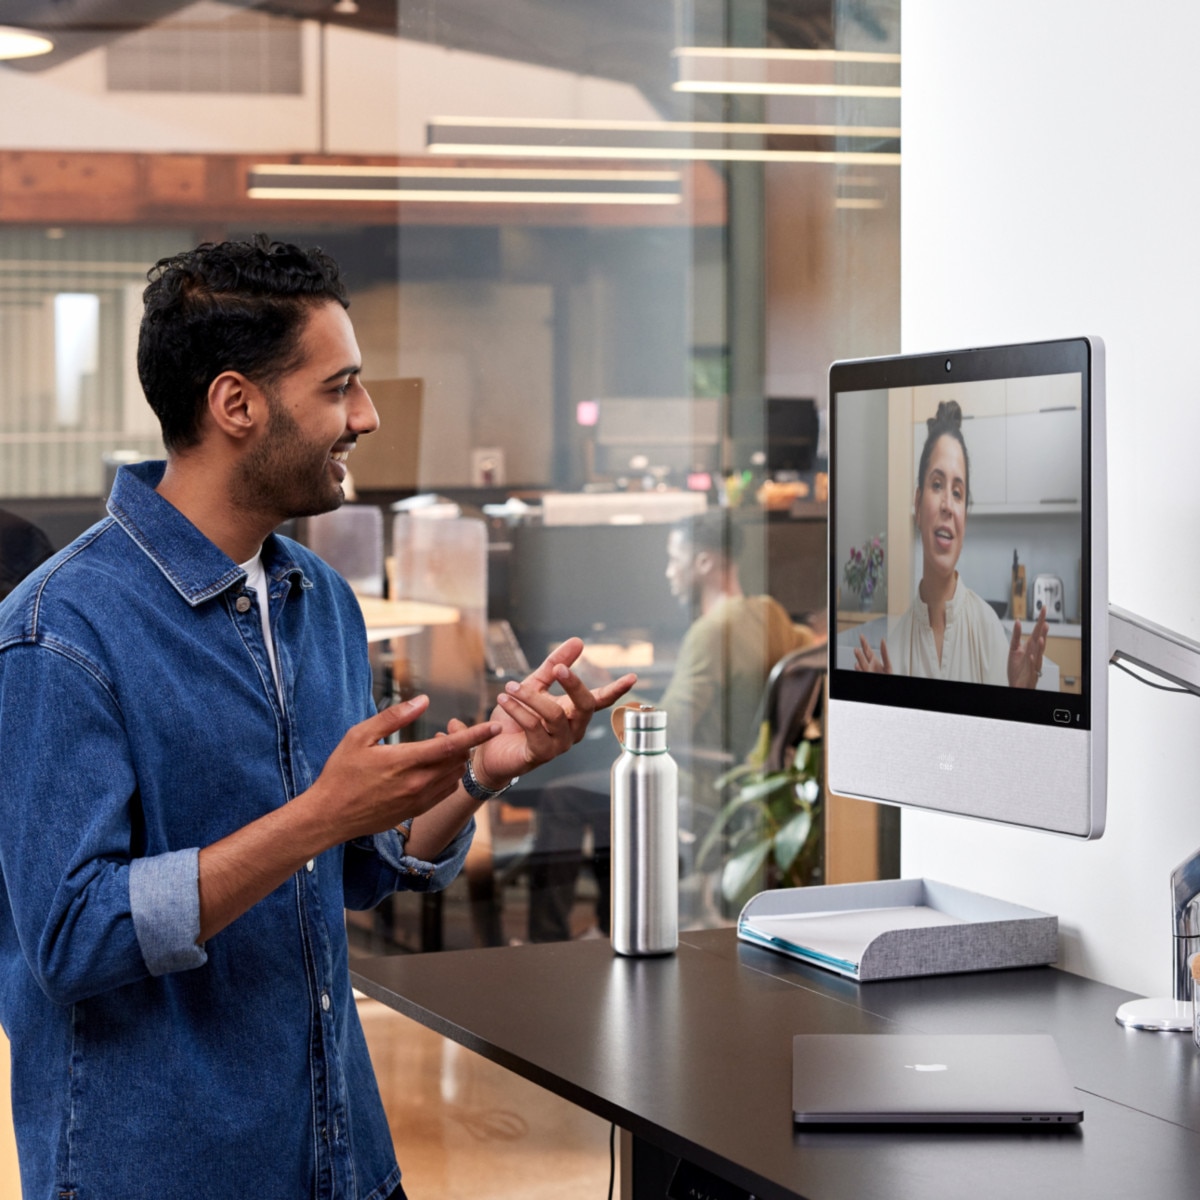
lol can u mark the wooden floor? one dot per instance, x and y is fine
(464, 1127)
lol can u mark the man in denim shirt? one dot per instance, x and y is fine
(195, 784)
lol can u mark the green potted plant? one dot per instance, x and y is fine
(770, 826)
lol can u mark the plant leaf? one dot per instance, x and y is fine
(764, 787)
(739, 772)
(739, 872)
(803, 753)
(720, 826)
(789, 841)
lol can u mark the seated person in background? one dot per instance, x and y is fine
(23, 546)
(711, 703)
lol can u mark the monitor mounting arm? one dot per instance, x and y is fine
(1135, 640)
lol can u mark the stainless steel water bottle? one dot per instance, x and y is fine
(645, 835)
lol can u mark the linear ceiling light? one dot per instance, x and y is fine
(461, 185)
(834, 56)
(766, 72)
(20, 43)
(765, 87)
(712, 141)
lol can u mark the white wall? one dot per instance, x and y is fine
(1049, 188)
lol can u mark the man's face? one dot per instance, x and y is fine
(317, 413)
(681, 568)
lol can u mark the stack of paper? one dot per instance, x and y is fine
(837, 940)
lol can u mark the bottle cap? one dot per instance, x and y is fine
(645, 716)
(641, 728)
(637, 716)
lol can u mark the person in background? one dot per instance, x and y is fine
(196, 783)
(23, 546)
(711, 701)
(948, 632)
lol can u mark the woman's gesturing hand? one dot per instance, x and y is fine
(1025, 662)
(865, 658)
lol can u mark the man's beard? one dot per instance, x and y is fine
(285, 474)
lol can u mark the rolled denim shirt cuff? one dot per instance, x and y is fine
(435, 876)
(164, 898)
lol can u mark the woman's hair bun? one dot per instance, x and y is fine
(948, 417)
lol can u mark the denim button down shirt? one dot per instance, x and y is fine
(139, 721)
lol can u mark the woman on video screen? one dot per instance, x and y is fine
(948, 632)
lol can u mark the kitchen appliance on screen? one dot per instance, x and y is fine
(945, 692)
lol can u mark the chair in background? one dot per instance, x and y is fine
(793, 704)
(440, 557)
(350, 540)
(790, 711)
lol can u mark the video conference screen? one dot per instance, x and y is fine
(960, 533)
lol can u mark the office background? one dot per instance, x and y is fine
(632, 342)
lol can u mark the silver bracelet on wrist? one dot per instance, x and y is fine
(476, 790)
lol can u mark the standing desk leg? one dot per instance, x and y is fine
(624, 1188)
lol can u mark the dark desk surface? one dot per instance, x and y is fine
(692, 1053)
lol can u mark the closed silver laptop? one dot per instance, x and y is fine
(940, 1079)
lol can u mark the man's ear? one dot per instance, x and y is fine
(704, 563)
(236, 406)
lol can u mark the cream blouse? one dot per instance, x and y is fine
(974, 649)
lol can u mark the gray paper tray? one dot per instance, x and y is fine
(994, 934)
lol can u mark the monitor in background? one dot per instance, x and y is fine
(938, 720)
(792, 431)
(601, 582)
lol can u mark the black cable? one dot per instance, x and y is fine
(612, 1158)
(1162, 687)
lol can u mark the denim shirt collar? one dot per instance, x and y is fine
(195, 567)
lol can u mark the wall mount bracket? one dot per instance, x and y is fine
(1173, 657)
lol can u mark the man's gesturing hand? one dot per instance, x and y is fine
(367, 787)
(536, 726)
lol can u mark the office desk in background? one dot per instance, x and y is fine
(402, 618)
(691, 1055)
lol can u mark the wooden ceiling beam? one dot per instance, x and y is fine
(50, 187)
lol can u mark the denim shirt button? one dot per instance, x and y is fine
(310, 865)
(242, 604)
(325, 1001)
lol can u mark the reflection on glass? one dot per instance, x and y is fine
(594, 282)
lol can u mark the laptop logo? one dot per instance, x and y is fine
(946, 762)
(926, 1067)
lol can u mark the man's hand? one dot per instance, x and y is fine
(536, 726)
(1025, 663)
(364, 788)
(368, 787)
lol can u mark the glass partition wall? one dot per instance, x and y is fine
(600, 255)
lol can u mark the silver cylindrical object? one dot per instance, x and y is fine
(645, 836)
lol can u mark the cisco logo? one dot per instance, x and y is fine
(946, 762)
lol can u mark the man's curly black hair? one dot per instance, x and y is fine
(236, 306)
